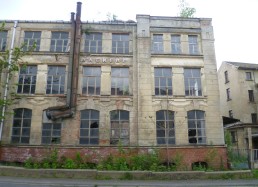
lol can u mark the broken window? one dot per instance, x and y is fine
(119, 120)
(196, 127)
(165, 127)
(51, 133)
(27, 80)
(21, 126)
(89, 129)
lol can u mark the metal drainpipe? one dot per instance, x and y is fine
(70, 67)
(77, 40)
(7, 80)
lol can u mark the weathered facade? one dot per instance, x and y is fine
(238, 93)
(146, 84)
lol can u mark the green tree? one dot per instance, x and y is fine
(9, 64)
(185, 10)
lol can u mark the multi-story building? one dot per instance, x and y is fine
(238, 84)
(146, 84)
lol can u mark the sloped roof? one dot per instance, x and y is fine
(244, 66)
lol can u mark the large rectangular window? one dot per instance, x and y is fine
(93, 43)
(31, 38)
(59, 42)
(55, 80)
(120, 43)
(51, 133)
(157, 43)
(175, 44)
(120, 81)
(196, 127)
(193, 44)
(89, 130)
(193, 86)
(165, 127)
(163, 81)
(119, 120)
(91, 80)
(251, 95)
(3, 40)
(27, 80)
(21, 125)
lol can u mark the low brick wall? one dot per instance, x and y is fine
(214, 156)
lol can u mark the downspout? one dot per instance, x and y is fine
(70, 66)
(75, 73)
(67, 111)
(7, 80)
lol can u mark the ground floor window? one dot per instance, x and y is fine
(196, 127)
(51, 133)
(21, 126)
(89, 129)
(119, 120)
(165, 127)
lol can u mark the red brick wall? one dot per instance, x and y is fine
(215, 156)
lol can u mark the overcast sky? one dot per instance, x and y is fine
(234, 21)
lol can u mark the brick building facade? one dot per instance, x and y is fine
(145, 84)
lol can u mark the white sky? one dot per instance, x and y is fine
(234, 21)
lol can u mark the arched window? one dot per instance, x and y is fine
(89, 130)
(119, 120)
(196, 127)
(165, 127)
(21, 125)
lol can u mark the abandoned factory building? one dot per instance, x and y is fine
(91, 86)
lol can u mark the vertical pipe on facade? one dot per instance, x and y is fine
(7, 80)
(75, 70)
(70, 67)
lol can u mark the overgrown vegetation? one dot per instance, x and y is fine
(233, 156)
(185, 10)
(122, 161)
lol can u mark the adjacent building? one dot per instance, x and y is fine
(238, 84)
(146, 84)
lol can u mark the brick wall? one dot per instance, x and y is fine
(215, 156)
